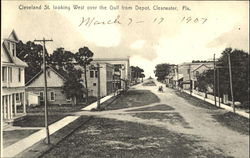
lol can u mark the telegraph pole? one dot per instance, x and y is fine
(98, 86)
(214, 89)
(45, 88)
(190, 83)
(231, 82)
(218, 84)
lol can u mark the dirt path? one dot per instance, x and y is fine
(197, 122)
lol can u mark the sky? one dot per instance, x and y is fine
(147, 37)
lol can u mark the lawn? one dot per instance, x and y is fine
(110, 138)
(133, 98)
(65, 108)
(228, 119)
(10, 137)
(36, 120)
(159, 107)
(171, 117)
(234, 122)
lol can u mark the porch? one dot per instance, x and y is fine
(13, 106)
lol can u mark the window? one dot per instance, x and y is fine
(4, 74)
(96, 74)
(48, 73)
(10, 74)
(8, 45)
(94, 84)
(17, 97)
(91, 74)
(19, 74)
(197, 73)
(41, 96)
(52, 96)
(68, 99)
(13, 49)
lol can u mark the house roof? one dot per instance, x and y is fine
(41, 72)
(12, 60)
(201, 66)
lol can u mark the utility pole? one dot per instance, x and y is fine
(214, 89)
(231, 80)
(190, 83)
(45, 88)
(218, 84)
(98, 86)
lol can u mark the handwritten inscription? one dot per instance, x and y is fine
(92, 21)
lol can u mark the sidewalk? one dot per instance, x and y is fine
(94, 105)
(223, 106)
(21, 145)
(16, 148)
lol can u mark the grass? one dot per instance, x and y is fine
(55, 108)
(161, 107)
(173, 118)
(10, 137)
(234, 122)
(110, 138)
(195, 101)
(228, 119)
(40, 148)
(36, 120)
(133, 98)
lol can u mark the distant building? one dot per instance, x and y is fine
(13, 80)
(190, 71)
(170, 79)
(55, 82)
(106, 78)
(121, 70)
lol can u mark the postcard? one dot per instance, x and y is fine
(124, 78)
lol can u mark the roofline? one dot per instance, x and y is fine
(40, 72)
(108, 59)
(200, 67)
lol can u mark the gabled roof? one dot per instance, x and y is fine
(201, 66)
(41, 72)
(12, 60)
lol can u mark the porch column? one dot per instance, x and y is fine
(11, 106)
(4, 107)
(24, 103)
(15, 108)
(8, 106)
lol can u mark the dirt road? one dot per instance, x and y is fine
(177, 115)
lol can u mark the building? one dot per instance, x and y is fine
(189, 72)
(55, 82)
(121, 70)
(13, 80)
(170, 79)
(106, 78)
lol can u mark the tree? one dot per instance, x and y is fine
(142, 76)
(136, 72)
(32, 54)
(240, 72)
(84, 57)
(162, 70)
(62, 59)
(73, 88)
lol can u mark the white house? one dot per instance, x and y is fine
(13, 80)
(55, 82)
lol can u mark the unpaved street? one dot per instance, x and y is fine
(190, 131)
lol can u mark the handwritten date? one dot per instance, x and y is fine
(92, 21)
